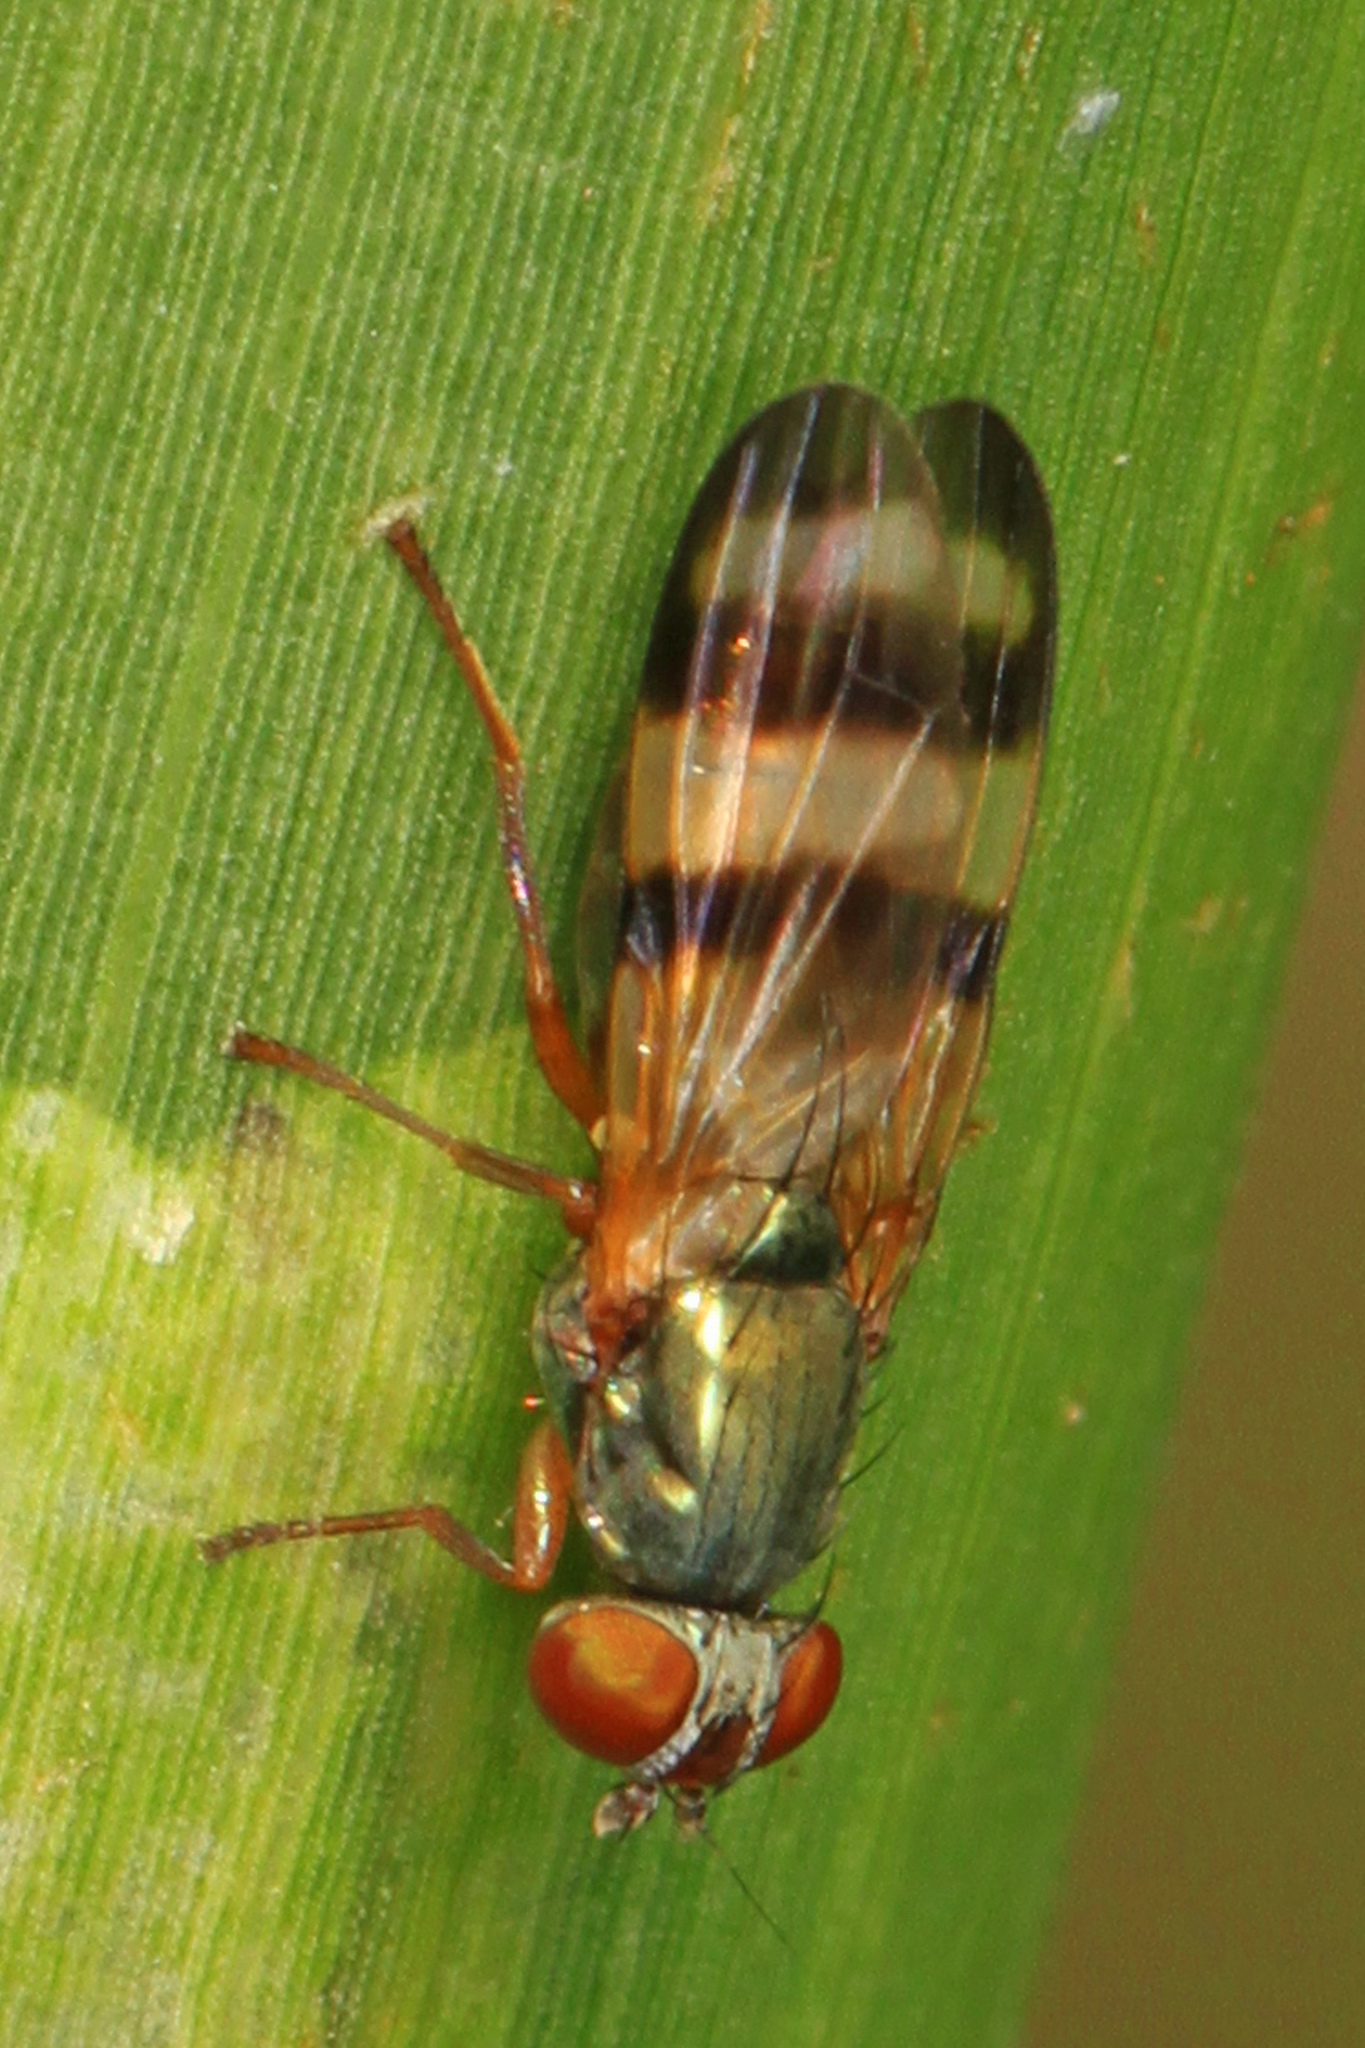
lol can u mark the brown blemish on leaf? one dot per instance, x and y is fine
(1146, 232)
(719, 185)
(269, 1185)
(719, 182)
(941, 1721)
(1318, 514)
(760, 28)
(1030, 43)
(258, 1127)
(1295, 526)
(126, 1429)
(919, 46)
(1207, 917)
(1119, 987)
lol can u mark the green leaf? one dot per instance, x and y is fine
(263, 268)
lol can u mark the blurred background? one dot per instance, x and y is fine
(1216, 1893)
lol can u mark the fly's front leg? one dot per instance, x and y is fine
(561, 1061)
(540, 1518)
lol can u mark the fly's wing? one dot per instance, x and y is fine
(998, 531)
(825, 802)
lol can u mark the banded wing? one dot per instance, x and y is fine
(998, 531)
(826, 800)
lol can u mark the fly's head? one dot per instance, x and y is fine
(683, 1699)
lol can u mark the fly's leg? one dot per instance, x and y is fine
(577, 1199)
(561, 1061)
(540, 1518)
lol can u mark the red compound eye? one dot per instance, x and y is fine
(613, 1682)
(810, 1683)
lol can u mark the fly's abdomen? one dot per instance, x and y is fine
(856, 628)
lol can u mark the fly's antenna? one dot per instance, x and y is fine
(697, 1826)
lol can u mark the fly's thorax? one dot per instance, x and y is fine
(709, 1454)
(709, 1463)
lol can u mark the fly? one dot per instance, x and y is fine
(789, 938)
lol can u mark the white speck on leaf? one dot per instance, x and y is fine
(1092, 112)
(159, 1229)
(34, 1129)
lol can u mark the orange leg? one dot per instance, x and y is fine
(540, 1518)
(561, 1061)
(577, 1199)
